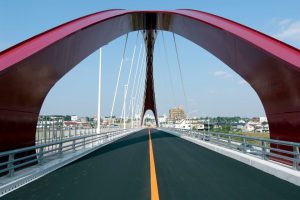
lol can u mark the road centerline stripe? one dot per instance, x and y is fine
(153, 179)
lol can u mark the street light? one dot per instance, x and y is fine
(124, 107)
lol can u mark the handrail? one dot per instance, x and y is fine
(42, 151)
(53, 143)
(265, 148)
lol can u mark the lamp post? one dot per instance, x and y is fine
(99, 93)
(124, 103)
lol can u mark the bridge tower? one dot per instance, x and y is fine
(149, 94)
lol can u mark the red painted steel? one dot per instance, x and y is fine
(30, 69)
(149, 102)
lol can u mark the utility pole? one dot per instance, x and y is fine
(99, 93)
(208, 125)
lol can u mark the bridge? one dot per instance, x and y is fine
(139, 162)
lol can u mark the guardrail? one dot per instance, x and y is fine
(282, 151)
(53, 134)
(38, 154)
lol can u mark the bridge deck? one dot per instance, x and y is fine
(184, 171)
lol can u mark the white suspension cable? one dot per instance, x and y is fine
(169, 68)
(119, 74)
(139, 82)
(180, 73)
(124, 117)
(129, 76)
(140, 96)
(134, 80)
(133, 87)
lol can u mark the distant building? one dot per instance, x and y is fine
(74, 118)
(257, 125)
(263, 119)
(176, 114)
(200, 127)
(251, 126)
(162, 119)
(107, 120)
(74, 124)
(238, 126)
(184, 124)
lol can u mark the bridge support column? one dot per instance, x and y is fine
(149, 94)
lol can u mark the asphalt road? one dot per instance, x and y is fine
(189, 171)
(184, 171)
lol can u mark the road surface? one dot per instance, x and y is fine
(183, 170)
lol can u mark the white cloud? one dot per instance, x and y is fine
(284, 22)
(222, 74)
(289, 31)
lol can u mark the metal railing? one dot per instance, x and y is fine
(268, 149)
(17, 159)
(52, 134)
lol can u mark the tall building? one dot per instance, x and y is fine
(176, 114)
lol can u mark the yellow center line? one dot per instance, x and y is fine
(154, 188)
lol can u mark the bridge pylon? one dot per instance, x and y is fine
(149, 93)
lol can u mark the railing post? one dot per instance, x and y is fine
(73, 145)
(41, 156)
(244, 141)
(11, 164)
(38, 135)
(45, 133)
(60, 148)
(229, 141)
(61, 135)
(69, 131)
(264, 150)
(296, 157)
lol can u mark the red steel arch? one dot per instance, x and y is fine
(30, 69)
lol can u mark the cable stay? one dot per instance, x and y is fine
(118, 79)
(180, 73)
(138, 71)
(133, 85)
(139, 82)
(139, 91)
(142, 90)
(128, 81)
(137, 85)
(169, 69)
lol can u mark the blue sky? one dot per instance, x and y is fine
(212, 88)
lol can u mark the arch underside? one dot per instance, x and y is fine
(30, 69)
